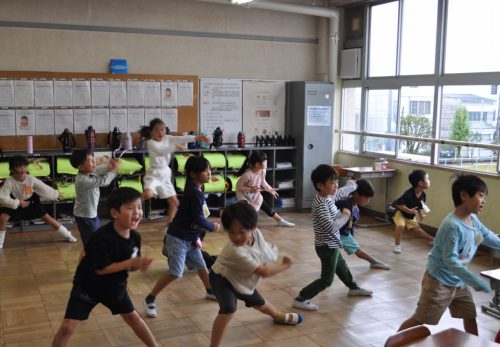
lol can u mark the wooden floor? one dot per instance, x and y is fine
(36, 269)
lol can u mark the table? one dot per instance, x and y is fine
(367, 172)
(452, 338)
(493, 308)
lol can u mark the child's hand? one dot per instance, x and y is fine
(346, 212)
(287, 261)
(147, 260)
(24, 203)
(202, 138)
(274, 192)
(141, 263)
(413, 211)
(254, 189)
(113, 165)
(217, 227)
(179, 147)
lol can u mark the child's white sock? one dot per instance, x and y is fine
(2, 237)
(66, 233)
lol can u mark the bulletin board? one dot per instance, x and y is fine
(43, 104)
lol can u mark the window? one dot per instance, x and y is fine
(351, 118)
(420, 107)
(383, 39)
(418, 45)
(381, 117)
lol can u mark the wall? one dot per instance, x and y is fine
(438, 196)
(169, 37)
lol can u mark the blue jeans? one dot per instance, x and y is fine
(87, 226)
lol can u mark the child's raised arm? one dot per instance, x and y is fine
(345, 191)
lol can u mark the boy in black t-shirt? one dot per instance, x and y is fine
(410, 205)
(101, 276)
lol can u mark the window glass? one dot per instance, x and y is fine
(383, 39)
(418, 44)
(381, 117)
(469, 113)
(416, 120)
(471, 36)
(351, 118)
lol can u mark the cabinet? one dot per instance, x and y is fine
(281, 174)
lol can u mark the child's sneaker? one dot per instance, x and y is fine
(359, 292)
(396, 249)
(150, 309)
(284, 223)
(380, 265)
(210, 295)
(304, 305)
(71, 238)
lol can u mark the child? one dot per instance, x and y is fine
(87, 183)
(158, 179)
(101, 276)
(360, 197)
(239, 267)
(410, 204)
(445, 283)
(182, 241)
(20, 199)
(327, 221)
(253, 177)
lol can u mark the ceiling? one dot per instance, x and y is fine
(330, 3)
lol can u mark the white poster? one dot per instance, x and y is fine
(62, 93)
(150, 114)
(184, 93)
(44, 93)
(152, 93)
(25, 122)
(263, 108)
(117, 93)
(168, 93)
(135, 119)
(100, 93)
(82, 119)
(6, 93)
(221, 106)
(118, 118)
(319, 115)
(7, 122)
(23, 93)
(63, 120)
(81, 93)
(135, 93)
(44, 122)
(169, 117)
(100, 120)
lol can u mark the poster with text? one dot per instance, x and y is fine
(100, 93)
(63, 120)
(44, 121)
(6, 93)
(168, 93)
(81, 93)
(118, 118)
(23, 93)
(63, 96)
(44, 93)
(264, 108)
(25, 122)
(7, 122)
(82, 118)
(100, 120)
(221, 106)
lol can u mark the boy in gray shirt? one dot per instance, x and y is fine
(87, 183)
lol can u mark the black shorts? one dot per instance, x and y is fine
(80, 304)
(34, 210)
(227, 296)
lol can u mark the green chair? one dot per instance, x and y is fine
(128, 166)
(216, 160)
(217, 184)
(4, 170)
(67, 190)
(131, 183)
(63, 166)
(39, 168)
(181, 159)
(235, 160)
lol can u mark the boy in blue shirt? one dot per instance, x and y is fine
(360, 197)
(445, 283)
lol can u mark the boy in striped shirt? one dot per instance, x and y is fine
(327, 221)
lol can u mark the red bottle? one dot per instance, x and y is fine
(241, 140)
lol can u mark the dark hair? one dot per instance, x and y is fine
(253, 158)
(121, 196)
(241, 211)
(78, 157)
(24, 117)
(416, 176)
(365, 188)
(17, 161)
(146, 130)
(195, 164)
(323, 173)
(469, 184)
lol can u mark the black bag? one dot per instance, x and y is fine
(391, 211)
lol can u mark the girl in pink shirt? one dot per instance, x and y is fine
(253, 178)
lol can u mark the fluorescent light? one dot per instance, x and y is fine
(240, 2)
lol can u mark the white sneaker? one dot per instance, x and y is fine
(150, 309)
(396, 249)
(71, 238)
(284, 223)
(359, 292)
(210, 296)
(380, 265)
(305, 305)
